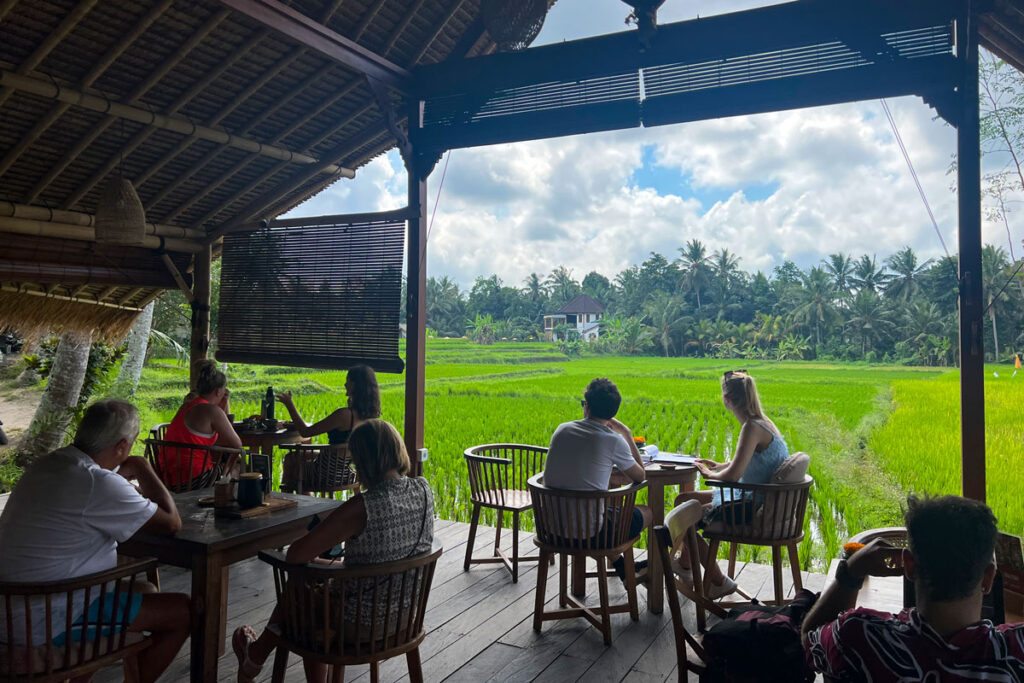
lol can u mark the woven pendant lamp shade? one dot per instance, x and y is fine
(120, 217)
(513, 24)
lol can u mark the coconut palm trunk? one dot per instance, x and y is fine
(135, 355)
(995, 332)
(60, 398)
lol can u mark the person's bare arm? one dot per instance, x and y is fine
(219, 422)
(636, 472)
(344, 523)
(734, 469)
(166, 520)
(336, 420)
(877, 558)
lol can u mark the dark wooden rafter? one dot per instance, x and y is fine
(133, 97)
(6, 6)
(324, 105)
(319, 38)
(95, 72)
(51, 41)
(178, 278)
(383, 98)
(455, 6)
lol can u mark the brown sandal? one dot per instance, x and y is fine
(241, 640)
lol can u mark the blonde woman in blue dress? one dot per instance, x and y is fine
(760, 450)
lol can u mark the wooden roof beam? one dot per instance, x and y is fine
(6, 6)
(319, 38)
(95, 72)
(456, 5)
(141, 89)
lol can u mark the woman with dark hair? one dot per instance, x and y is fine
(760, 450)
(202, 420)
(363, 404)
(392, 519)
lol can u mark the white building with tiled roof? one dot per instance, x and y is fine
(582, 313)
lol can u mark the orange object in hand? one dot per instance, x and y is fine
(850, 548)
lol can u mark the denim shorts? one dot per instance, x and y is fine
(86, 626)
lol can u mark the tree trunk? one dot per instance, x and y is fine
(995, 333)
(135, 356)
(60, 398)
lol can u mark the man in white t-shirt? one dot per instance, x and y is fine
(584, 454)
(69, 511)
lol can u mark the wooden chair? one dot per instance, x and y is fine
(762, 514)
(684, 664)
(38, 614)
(159, 431)
(319, 469)
(681, 526)
(498, 475)
(582, 524)
(188, 454)
(341, 616)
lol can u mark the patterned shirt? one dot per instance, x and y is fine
(867, 645)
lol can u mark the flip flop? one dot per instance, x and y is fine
(241, 640)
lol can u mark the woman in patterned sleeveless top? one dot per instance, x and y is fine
(760, 450)
(363, 403)
(392, 519)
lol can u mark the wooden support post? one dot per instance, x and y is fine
(416, 300)
(972, 349)
(200, 342)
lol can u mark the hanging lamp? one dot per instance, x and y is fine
(120, 216)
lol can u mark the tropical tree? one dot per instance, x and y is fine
(921, 320)
(793, 347)
(840, 268)
(817, 302)
(634, 337)
(693, 268)
(60, 399)
(597, 287)
(906, 274)
(870, 320)
(562, 287)
(665, 315)
(446, 309)
(482, 329)
(135, 352)
(994, 275)
(867, 276)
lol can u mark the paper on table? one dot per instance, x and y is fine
(674, 458)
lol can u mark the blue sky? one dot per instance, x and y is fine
(789, 185)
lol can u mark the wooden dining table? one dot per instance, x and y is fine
(209, 544)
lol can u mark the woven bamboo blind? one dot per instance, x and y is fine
(326, 294)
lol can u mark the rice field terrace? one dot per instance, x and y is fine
(874, 433)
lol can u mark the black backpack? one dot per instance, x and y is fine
(760, 643)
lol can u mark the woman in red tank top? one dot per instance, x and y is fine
(201, 420)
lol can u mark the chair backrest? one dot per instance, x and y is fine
(499, 467)
(323, 469)
(682, 635)
(39, 635)
(159, 431)
(338, 612)
(760, 513)
(583, 520)
(174, 462)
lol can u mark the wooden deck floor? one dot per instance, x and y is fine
(479, 624)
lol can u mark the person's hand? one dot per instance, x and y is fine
(877, 558)
(284, 397)
(622, 429)
(710, 464)
(702, 467)
(133, 467)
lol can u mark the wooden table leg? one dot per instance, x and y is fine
(207, 599)
(579, 575)
(655, 582)
(224, 578)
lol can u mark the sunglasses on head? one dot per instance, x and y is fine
(583, 402)
(730, 373)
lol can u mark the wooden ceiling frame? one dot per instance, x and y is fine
(95, 72)
(141, 89)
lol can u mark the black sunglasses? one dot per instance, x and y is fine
(583, 402)
(728, 373)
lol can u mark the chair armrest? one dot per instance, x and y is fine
(126, 567)
(721, 484)
(488, 460)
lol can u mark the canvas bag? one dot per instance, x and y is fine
(760, 643)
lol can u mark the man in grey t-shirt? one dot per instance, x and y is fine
(582, 453)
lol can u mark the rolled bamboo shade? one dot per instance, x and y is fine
(317, 295)
(120, 217)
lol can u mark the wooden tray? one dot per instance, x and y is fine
(270, 504)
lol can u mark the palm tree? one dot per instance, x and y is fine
(444, 306)
(562, 287)
(867, 276)
(665, 313)
(994, 264)
(634, 336)
(816, 301)
(906, 278)
(840, 267)
(870, 320)
(921, 320)
(694, 269)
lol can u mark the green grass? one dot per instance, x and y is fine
(852, 419)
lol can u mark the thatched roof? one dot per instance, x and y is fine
(215, 117)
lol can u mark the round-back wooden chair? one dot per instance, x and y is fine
(318, 469)
(663, 544)
(498, 475)
(187, 455)
(42, 634)
(341, 616)
(582, 524)
(761, 514)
